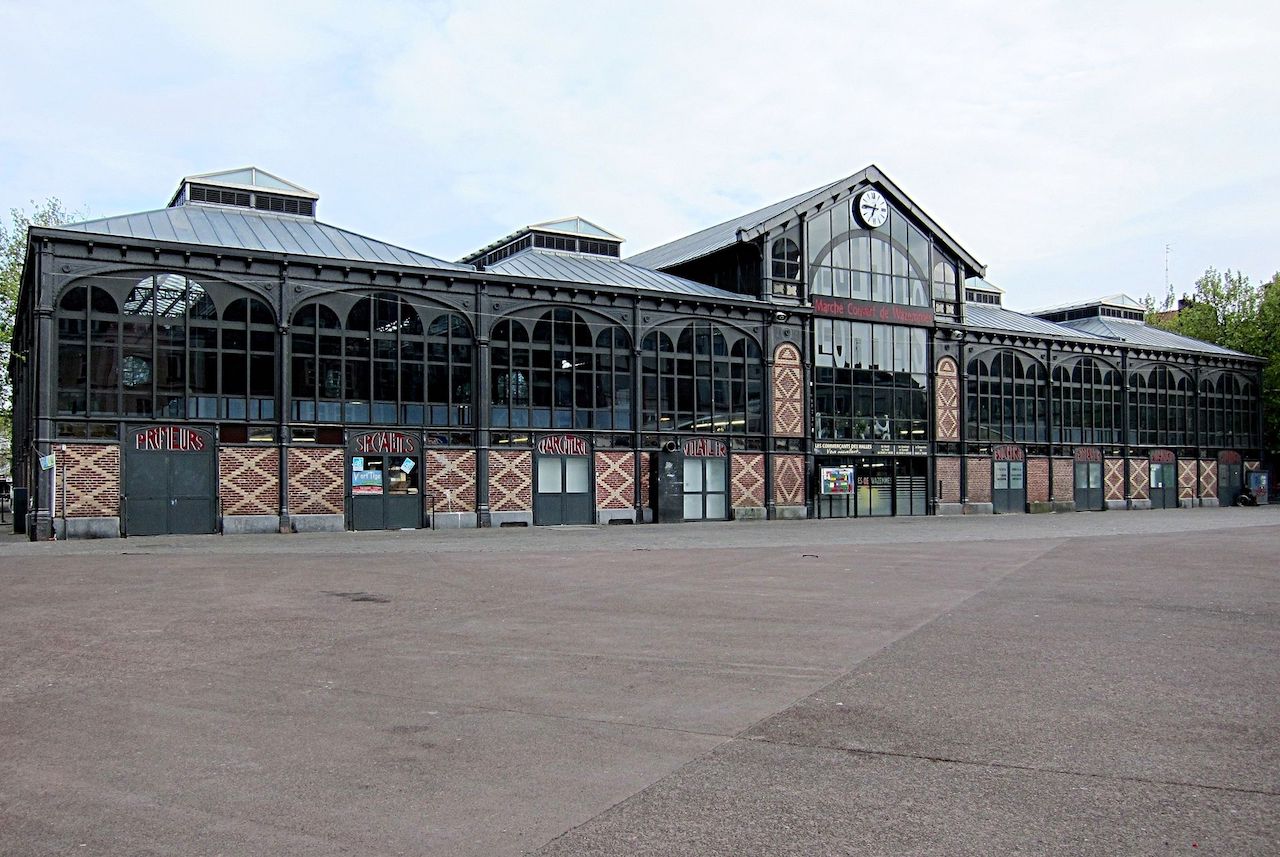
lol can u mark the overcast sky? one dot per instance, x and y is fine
(1063, 144)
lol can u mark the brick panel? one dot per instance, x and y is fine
(645, 500)
(511, 481)
(788, 480)
(1139, 478)
(1208, 478)
(316, 485)
(1064, 479)
(947, 476)
(1252, 466)
(249, 480)
(451, 480)
(748, 480)
(1113, 478)
(615, 480)
(979, 478)
(1037, 479)
(788, 392)
(947, 400)
(91, 473)
(1186, 479)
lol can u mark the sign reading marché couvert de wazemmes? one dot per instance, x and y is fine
(859, 310)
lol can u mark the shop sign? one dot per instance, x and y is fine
(705, 447)
(169, 439)
(385, 443)
(1007, 452)
(859, 310)
(837, 480)
(563, 444)
(1163, 456)
(366, 482)
(1223, 457)
(1088, 453)
(869, 447)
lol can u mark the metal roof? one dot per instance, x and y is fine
(256, 231)
(1120, 300)
(993, 317)
(601, 271)
(1137, 333)
(722, 235)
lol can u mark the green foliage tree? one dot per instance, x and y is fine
(13, 254)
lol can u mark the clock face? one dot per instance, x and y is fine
(871, 209)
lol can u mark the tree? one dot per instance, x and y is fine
(13, 254)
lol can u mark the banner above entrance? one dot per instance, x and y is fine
(868, 447)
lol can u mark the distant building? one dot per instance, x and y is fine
(231, 363)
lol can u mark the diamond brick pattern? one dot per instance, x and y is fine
(1113, 478)
(1252, 466)
(615, 480)
(788, 480)
(249, 480)
(947, 400)
(1139, 478)
(91, 473)
(748, 480)
(788, 392)
(979, 480)
(1186, 480)
(1208, 478)
(511, 481)
(451, 480)
(315, 481)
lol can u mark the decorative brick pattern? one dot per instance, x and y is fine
(249, 480)
(1186, 480)
(91, 473)
(510, 481)
(1252, 466)
(645, 500)
(1139, 478)
(1113, 478)
(615, 480)
(947, 473)
(946, 405)
(1208, 478)
(1037, 479)
(979, 479)
(451, 480)
(316, 485)
(788, 392)
(1064, 479)
(788, 480)
(748, 480)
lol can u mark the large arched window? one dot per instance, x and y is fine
(1160, 407)
(157, 347)
(1228, 412)
(1006, 398)
(870, 381)
(701, 377)
(378, 363)
(1086, 402)
(567, 372)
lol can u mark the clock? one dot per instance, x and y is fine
(870, 209)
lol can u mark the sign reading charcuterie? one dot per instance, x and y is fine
(385, 443)
(563, 444)
(170, 439)
(705, 447)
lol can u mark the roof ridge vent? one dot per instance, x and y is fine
(248, 187)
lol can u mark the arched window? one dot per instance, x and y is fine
(1160, 404)
(1086, 402)
(381, 365)
(785, 254)
(700, 377)
(1005, 399)
(1228, 412)
(156, 346)
(570, 373)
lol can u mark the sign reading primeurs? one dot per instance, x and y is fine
(169, 439)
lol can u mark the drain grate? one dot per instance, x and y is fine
(367, 597)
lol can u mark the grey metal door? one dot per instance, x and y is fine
(1008, 486)
(1230, 483)
(562, 490)
(170, 481)
(1088, 486)
(1164, 485)
(146, 492)
(385, 492)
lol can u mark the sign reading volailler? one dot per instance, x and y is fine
(859, 310)
(704, 447)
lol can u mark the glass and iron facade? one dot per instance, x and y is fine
(814, 364)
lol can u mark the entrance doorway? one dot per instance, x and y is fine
(1089, 493)
(170, 481)
(1230, 478)
(1008, 479)
(562, 481)
(1164, 479)
(872, 487)
(384, 480)
(706, 479)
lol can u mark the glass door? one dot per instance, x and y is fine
(706, 482)
(562, 490)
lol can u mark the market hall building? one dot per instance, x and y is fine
(230, 363)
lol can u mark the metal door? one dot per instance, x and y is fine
(1164, 485)
(385, 492)
(1230, 483)
(146, 491)
(562, 490)
(170, 481)
(1008, 486)
(706, 482)
(1088, 486)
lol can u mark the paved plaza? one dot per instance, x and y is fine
(1102, 683)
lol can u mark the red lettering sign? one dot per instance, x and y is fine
(1226, 458)
(169, 439)
(1007, 453)
(563, 444)
(705, 447)
(858, 310)
(1163, 456)
(385, 443)
(1088, 453)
